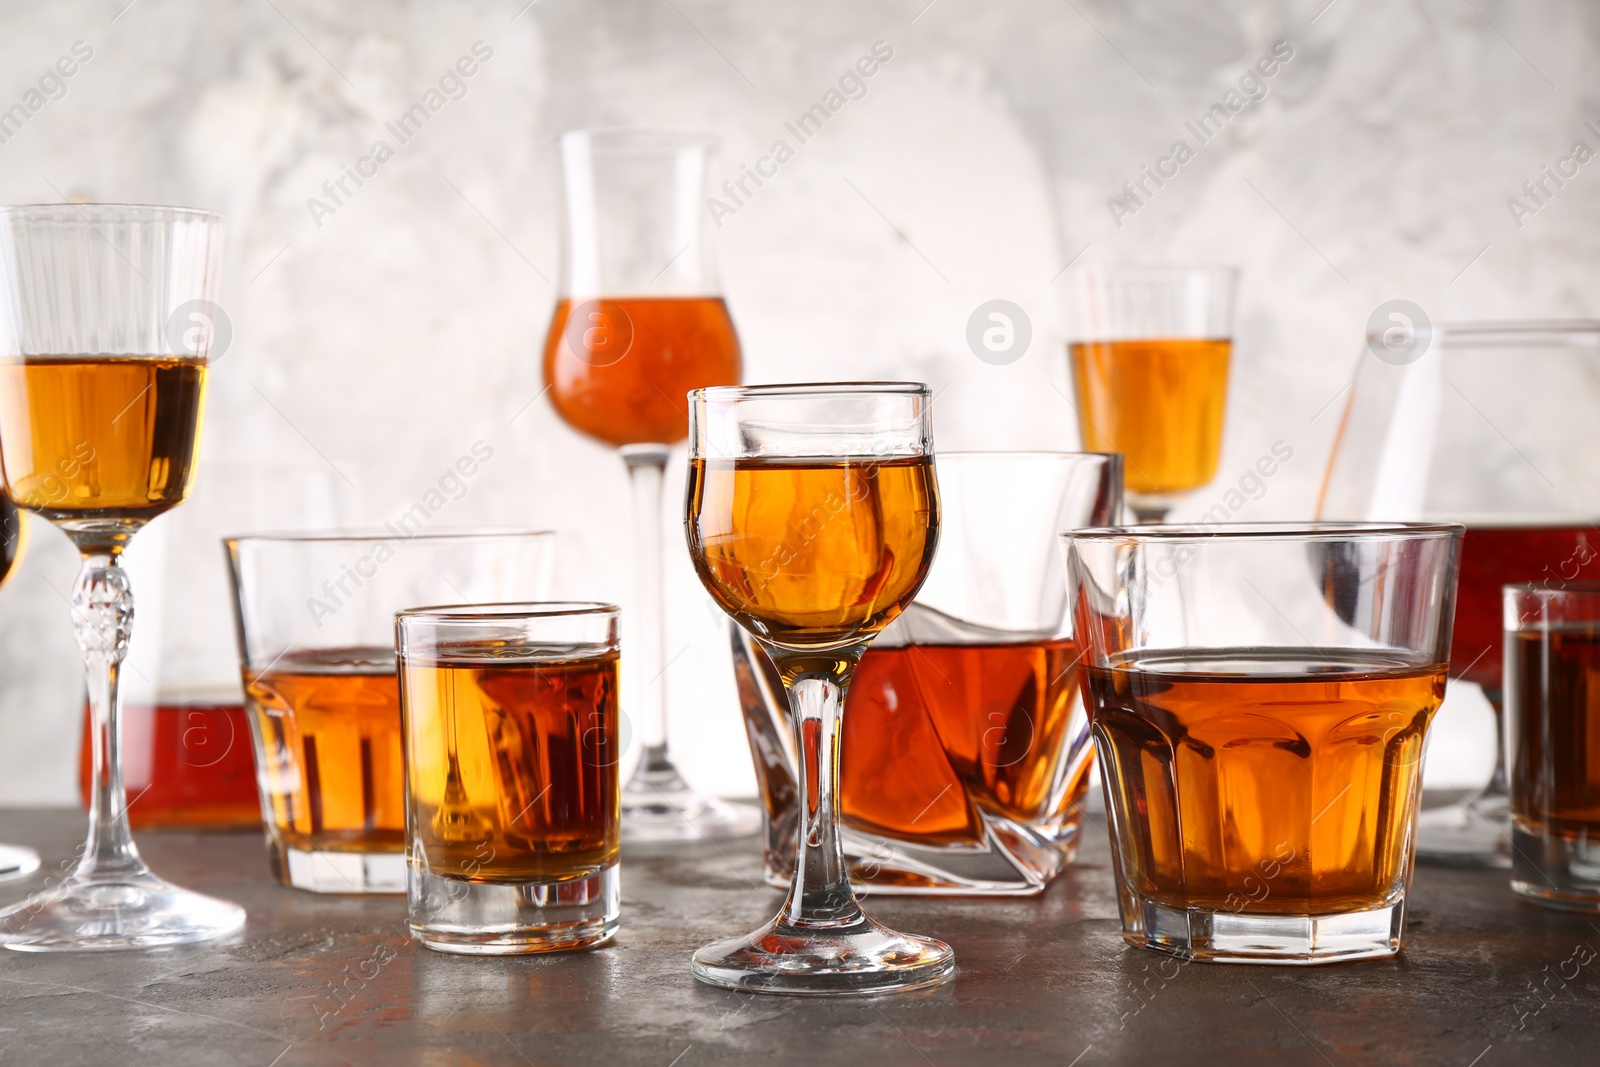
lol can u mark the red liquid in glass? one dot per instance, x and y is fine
(185, 767)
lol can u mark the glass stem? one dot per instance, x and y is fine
(647, 465)
(102, 616)
(820, 893)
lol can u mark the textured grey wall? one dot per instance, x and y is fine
(392, 333)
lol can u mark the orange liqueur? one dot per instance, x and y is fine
(1553, 678)
(622, 369)
(333, 776)
(1159, 403)
(966, 728)
(1268, 781)
(514, 763)
(812, 552)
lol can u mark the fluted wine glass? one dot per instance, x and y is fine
(812, 517)
(100, 408)
(640, 321)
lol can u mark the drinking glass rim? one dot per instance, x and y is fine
(801, 389)
(150, 212)
(1269, 531)
(1023, 453)
(614, 139)
(1498, 333)
(512, 609)
(364, 534)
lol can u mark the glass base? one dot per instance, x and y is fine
(481, 919)
(339, 872)
(1230, 937)
(17, 862)
(1557, 872)
(1469, 834)
(136, 911)
(861, 959)
(654, 814)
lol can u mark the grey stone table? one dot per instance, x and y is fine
(1484, 981)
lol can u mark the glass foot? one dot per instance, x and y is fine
(17, 862)
(1469, 834)
(670, 811)
(863, 958)
(134, 911)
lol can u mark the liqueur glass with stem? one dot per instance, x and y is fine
(1260, 695)
(1489, 424)
(812, 516)
(15, 860)
(639, 321)
(1149, 348)
(100, 409)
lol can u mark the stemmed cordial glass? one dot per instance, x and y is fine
(1150, 348)
(640, 321)
(1490, 424)
(812, 517)
(15, 860)
(100, 407)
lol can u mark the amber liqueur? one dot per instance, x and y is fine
(936, 736)
(1553, 696)
(513, 761)
(1271, 780)
(333, 773)
(1159, 402)
(812, 553)
(619, 368)
(106, 437)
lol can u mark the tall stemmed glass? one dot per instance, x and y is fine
(100, 408)
(639, 322)
(812, 517)
(1150, 348)
(15, 861)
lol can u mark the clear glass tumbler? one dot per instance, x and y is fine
(1260, 695)
(513, 803)
(1552, 691)
(315, 616)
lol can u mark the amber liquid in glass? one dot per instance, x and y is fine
(1495, 556)
(812, 553)
(1268, 781)
(333, 775)
(513, 763)
(1553, 680)
(623, 374)
(99, 438)
(1159, 403)
(185, 766)
(964, 727)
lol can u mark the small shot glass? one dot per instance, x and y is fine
(513, 804)
(1552, 688)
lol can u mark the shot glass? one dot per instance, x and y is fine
(513, 809)
(1552, 690)
(1259, 696)
(315, 616)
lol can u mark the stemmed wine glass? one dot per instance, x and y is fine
(1150, 348)
(1490, 424)
(15, 860)
(812, 516)
(100, 407)
(640, 321)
